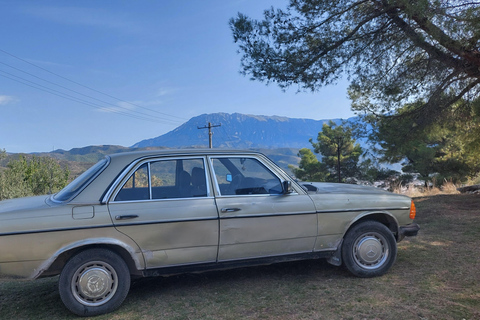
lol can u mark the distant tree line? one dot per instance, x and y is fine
(30, 176)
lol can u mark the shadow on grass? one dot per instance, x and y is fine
(40, 299)
(37, 299)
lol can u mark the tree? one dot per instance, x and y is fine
(309, 168)
(393, 51)
(446, 150)
(340, 152)
(34, 176)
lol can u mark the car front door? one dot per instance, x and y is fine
(257, 218)
(166, 206)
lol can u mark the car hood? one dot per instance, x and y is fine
(23, 204)
(336, 197)
(325, 187)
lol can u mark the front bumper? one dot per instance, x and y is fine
(410, 230)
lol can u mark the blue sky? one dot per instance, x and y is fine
(79, 73)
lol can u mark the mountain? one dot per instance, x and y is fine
(240, 131)
(279, 138)
(84, 154)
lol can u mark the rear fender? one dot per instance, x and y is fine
(136, 258)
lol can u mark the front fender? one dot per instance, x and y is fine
(384, 217)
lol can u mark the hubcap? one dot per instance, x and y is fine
(94, 283)
(370, 251)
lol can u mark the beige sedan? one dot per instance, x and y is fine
(152, 213)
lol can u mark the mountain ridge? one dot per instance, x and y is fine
(241, 131)
(278, 137)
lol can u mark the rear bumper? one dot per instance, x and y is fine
(410, 230)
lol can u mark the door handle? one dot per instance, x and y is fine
(126, 217)
(230, 209)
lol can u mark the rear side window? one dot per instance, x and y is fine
(166, 179)
(77, 185)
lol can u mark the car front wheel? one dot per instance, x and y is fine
(369, 249)
(94, 282)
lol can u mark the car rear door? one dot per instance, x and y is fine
(257, 219)
(166, 206)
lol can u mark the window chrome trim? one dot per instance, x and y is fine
(130, 170)
(249, 156)
(167, 199)
(149, 171)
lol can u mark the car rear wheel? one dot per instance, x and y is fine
(94, 282)
(369, 249)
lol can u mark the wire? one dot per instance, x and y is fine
(69, 97)
(74, 91)
(87, 87)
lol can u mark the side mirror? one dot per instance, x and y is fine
(287, 187)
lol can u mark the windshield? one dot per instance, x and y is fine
(81, 181)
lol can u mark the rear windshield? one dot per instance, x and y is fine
(73, 188)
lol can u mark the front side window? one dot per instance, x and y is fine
(243, 176)
(165, 179)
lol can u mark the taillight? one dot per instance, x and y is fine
(413, 211)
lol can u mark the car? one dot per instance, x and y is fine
(164, 212)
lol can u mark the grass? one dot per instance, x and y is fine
(435, 277)
(415, 191)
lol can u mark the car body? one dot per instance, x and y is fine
(164, 212)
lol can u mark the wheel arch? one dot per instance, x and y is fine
(383, 217)
(55, 264)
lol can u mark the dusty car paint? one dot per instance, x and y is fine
(211, 229)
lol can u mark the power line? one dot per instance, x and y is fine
(89, 88)
(69, 97)
(76, 92)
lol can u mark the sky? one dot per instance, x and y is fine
(79, 73)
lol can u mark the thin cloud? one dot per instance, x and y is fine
(6, 99)
(165, 91)
(90, 17)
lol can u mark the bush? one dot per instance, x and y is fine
(32, 176)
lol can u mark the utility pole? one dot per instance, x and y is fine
(210, 133)
(339, 140)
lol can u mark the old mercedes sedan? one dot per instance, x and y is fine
(150, 213)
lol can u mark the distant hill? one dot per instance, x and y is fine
(279, 138)
(240, 131)
(85, 154)
(80, 159)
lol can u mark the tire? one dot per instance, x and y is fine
(369, 249)
(94, 282)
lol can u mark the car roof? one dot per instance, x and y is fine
(132, 155)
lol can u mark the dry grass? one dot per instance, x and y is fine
(435, 277)
(415, 191)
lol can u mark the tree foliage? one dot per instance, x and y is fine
(340, 156)
(446, 150)
(309, 168)
(393, 51)
(32, 176)
(340, 152)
